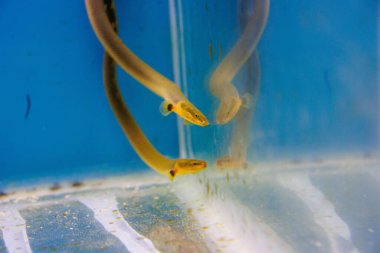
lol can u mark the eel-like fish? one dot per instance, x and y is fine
(174, 99)
(142, 146)
(220, 84)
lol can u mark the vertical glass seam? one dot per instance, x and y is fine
(179, 68)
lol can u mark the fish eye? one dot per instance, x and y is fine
(170, 107)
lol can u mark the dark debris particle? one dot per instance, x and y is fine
(28, 106)
(77, 184)
(55, 187)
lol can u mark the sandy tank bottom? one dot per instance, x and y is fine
(298, 206)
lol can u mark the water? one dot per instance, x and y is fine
(70, 181)
(57, 60)
(329, 206)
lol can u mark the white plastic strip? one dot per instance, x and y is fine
(106, 212)
(14, 231)
(322, 210)
(228, 225)
(179, 66)
(176, 69)
(184, 75)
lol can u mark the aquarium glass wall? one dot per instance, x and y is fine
(291, 93)
(55, 118)
(317, 96)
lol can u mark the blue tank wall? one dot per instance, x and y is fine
(49, 52)
(319, 88)
(319, 93)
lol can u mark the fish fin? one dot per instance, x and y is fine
(247, 101)
(186, 122)
(166, 108)
(171, 175)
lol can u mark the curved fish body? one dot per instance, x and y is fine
(142, 146)
(134, 66)
(240, 140)
(220, 83)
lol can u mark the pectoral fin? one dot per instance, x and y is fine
(166, 108)
(247, 101)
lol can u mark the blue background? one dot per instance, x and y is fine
(319, 90)
(49, 51)
(319, 94)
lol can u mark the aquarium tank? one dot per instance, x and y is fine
(190, 126)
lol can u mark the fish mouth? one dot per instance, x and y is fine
(203, 122)
(190, 113)
(227, 111)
